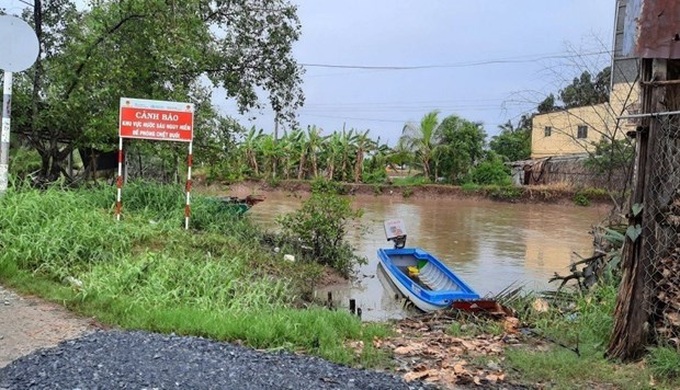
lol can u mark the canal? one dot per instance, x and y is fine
(491, 245)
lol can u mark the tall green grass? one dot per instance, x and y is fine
(575, 333)
(147, 272)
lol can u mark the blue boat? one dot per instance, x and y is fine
(420, 276)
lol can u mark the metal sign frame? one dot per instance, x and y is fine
(155, 120)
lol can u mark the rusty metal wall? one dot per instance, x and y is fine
(660, 22)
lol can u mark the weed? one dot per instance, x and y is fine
(665, 362)
(146, 272)
(504, 192)
(410, 181)
(407, 192)
(581, 199)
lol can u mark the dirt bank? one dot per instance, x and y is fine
(529, 194)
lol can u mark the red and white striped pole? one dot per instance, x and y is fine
(119, 180)
(187, 208)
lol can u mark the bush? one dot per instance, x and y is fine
(324, 186)
(581, 199)
(23, 162)
(491, 172)
(321, 226)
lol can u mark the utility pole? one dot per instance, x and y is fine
(18, 51)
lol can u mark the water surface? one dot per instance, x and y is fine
(491, 245)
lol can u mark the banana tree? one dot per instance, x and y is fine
(348, 150)
(250, 149)
(364, 144)
(270, 151)
(290, 146)
(314, 143)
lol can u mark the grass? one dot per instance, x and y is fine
(583, 325)
(411, 181)
(147, 272)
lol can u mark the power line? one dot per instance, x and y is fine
(454, 65)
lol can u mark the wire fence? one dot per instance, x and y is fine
(661, 229)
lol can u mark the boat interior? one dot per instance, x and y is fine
(424, 273)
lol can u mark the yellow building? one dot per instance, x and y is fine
(576, 130)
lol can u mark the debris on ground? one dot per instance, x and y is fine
(424, 349)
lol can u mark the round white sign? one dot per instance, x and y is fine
(18, 44)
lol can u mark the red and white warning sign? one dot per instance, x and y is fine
(156, 120)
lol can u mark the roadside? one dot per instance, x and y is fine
(28, 324)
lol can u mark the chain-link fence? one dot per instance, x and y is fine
(661, 229)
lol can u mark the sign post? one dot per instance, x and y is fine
(19, 49)
(159, 121)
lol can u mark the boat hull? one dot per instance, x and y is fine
(434, 287)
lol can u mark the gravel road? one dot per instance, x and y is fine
(141, 360)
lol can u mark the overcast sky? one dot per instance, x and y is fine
(485, 60)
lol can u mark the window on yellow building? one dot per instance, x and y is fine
(548, 131)
(582, 132)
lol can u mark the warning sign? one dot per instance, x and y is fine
(156, 120)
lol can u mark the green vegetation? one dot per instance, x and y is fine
(448, 149)
(491, 171)
(581, 199)
(147, 272)
(70, 98)
(320, 227)
(513, 143)
(575, 331)
(499, 192)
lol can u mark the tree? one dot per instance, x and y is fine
(153, 49)
(462, 145)
(583, 91)
(513, 143)
(547, 105)
(421, 139)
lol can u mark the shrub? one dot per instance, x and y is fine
(581, 199)
(320, 226)
(491, 171)
(324, 186)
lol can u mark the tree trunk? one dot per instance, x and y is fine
(642, 303)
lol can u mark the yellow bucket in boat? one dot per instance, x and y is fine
(413, 270)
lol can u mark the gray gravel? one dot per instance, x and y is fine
(141, 360)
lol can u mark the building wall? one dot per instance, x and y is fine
(600, 121)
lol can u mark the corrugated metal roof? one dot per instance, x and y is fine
(652, 29)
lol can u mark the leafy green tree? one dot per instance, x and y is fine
(611, 155)
(513, 143)
(152, 49)
(548, 105)
(462, 145)
(583, 91)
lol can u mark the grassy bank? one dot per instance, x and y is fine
(569, 338)
(146, 272)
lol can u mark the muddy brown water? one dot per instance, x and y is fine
(491, 245)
